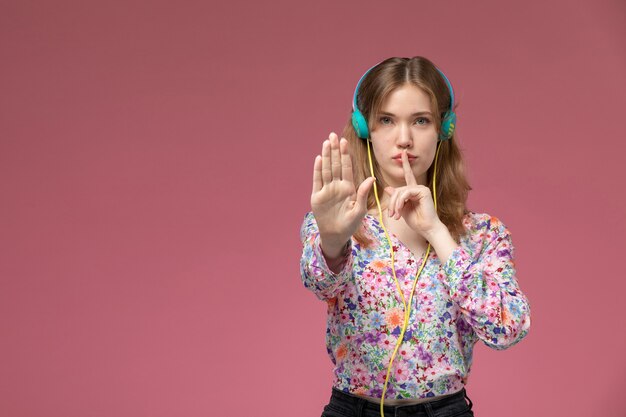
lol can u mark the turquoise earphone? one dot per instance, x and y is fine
(448, 121)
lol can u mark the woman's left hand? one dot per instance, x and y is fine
(413, 202)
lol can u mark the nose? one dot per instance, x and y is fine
(404, 138)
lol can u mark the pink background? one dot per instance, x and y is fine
(156, 163)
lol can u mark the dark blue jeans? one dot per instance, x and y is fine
(343, 404)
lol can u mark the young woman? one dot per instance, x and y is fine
(411, 277)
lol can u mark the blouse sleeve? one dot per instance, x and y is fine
(485, 288)
(316, 275)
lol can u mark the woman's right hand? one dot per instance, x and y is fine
(337, 205)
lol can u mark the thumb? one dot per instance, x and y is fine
(389, 190)
(363, 192)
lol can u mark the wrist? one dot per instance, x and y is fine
(438, 231)
(336, 262)
(333, 250)
(442, 241)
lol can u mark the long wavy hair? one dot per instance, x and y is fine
(452, 184)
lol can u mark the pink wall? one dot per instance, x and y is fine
(156, 162)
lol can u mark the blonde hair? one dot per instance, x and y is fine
(452, 184)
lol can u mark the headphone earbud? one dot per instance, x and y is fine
(358, 120)
(360, 124)
(448, 122)
(447, 126)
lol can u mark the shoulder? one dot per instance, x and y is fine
(483, 229)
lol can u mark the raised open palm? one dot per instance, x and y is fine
(338, 206)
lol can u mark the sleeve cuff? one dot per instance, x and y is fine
(317, 275)
(346, 255)
(345, 263)
(455, 267)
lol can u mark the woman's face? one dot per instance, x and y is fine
(405, 121)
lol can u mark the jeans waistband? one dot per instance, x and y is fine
(363, 403)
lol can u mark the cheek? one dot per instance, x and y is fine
(428, 152)
(378, 147)
(431, 152)
(431, 142)
(431, 137)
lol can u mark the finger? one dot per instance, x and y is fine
(326, 174)
(346, 161)
(397, 204)
(363, 191)
(317, 174)
(408, 172)
(335, 157)
(392, 203)
(389, 191)
(403, 197)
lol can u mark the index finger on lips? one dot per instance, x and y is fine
(408, 173)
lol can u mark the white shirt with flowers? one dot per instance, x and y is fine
(473, 296)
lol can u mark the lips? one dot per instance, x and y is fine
(399, 156)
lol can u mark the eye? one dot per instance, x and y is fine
(383, 120)
(422, 121)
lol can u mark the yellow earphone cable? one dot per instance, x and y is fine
(407, 310)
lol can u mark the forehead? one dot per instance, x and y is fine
(406, 100)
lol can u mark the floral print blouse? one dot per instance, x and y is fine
(474, 295)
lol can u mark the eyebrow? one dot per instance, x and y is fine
(419, 113)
